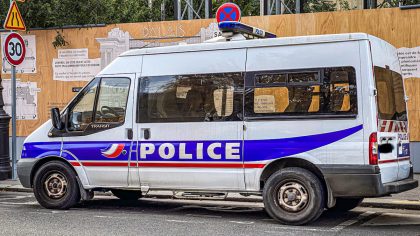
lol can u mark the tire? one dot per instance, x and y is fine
(55, 186)
(129, 195)
(345, 204)
(298, 184)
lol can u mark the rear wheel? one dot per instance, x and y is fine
(126, 194)
(294, 196)
(346, 204)
(55, 186)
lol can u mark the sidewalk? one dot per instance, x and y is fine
(405, 200)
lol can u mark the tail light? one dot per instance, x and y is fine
(373, 149)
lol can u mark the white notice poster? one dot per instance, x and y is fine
(28, 65)
(75, 69)
(410, 62)
(26, 99)
(80, 53)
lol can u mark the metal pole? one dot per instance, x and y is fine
(278, 3)
(179, 9)
(298, 6)
(14, 156)
(261, 7)
(5, 169)
(13, 88)
(206, 9)
(190, 9)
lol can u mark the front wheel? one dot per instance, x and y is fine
(294, 196)
(55, 186)
(130, 195)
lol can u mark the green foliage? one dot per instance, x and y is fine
(395, 3)
(319, 6)
(59, 40)
(58, 13)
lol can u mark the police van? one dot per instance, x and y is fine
(310, 123)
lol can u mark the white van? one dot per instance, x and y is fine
(311, 123)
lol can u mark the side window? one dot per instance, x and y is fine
(191, 98)
(102, 101)
(80, 116)
(325, 91)
(112, 100)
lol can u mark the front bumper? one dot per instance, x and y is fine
(24, 170)
(362, 181)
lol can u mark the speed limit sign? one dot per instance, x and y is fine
(14, 49)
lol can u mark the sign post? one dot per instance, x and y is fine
(14, 51)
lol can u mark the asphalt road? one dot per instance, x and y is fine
(20, 214)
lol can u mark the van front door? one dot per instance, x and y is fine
(189, 121)
(98, 122)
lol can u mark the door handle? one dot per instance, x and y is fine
(146, 134)
(130, 134)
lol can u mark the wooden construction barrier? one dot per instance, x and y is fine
(400, 28)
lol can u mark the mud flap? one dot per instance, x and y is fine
(85, 195)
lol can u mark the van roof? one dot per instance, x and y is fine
(252, 43)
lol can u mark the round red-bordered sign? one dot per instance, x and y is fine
(14, 49)
(228, 12)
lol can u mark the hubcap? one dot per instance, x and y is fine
(56, 185)
(293, 196)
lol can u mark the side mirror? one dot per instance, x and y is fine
(56, 119)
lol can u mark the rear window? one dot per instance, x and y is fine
(391, 100)
(329, 91)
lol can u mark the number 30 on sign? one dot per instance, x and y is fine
(14, 49)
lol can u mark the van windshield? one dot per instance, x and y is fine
(391, 101)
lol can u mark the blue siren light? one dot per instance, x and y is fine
(247, 30)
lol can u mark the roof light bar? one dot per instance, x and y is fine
(247, 30)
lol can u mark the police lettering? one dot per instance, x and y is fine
(190, 151)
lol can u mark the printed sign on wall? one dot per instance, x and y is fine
(76, 69)
(410, 62)
(28, 65)
(73, 53)
(26, 99)
(74, 65)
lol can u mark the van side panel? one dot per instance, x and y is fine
(328, 141)
(186, 169)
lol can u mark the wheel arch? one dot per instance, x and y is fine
(279, 164)
(301, 163)
(45, 160)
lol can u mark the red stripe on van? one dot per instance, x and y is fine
(75, 163)
(200, 165)
(394, 160)
(169, 165)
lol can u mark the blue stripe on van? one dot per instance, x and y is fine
(255, 150)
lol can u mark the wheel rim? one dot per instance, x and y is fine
(293, 196)
(56, 185)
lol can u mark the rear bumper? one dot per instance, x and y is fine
(362, 181)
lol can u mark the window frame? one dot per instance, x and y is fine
(239, 89)
(251, 84)
(105, 125)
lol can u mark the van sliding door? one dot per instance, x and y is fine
(189, 120)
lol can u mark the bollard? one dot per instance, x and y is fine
(5, 168)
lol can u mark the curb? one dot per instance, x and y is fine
(16, 189)
(377, 203)
(392, 204)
